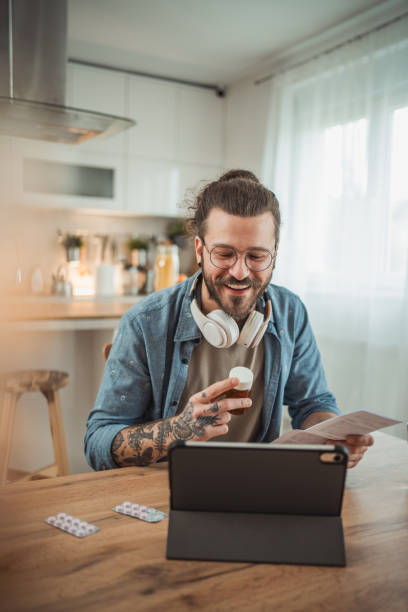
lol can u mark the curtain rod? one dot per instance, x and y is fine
(331, 49)
(220, 91)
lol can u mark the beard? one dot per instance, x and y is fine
(238, 307)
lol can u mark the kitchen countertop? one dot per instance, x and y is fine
(62, 313)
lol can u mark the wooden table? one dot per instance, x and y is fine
(123, 566)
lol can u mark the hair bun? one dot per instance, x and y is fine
(238, 174)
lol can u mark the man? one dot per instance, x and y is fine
(167, 372)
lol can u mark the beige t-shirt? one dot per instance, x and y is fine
(209, 365)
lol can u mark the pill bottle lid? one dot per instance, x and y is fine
(245, 376)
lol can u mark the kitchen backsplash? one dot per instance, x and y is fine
(31, 243)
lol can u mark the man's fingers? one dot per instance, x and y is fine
(214, 408)
(221, 430)
(222, 406)
(355, 457)
(209, 394)
(360, 440)
(356, 449)
(213, 419)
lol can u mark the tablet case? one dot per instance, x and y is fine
(256, 503)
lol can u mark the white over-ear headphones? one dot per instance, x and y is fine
(221, 330)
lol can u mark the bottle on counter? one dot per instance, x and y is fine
(135, 273)
(166, 266)
(37, 280)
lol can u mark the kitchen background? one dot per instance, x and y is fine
(232, 73)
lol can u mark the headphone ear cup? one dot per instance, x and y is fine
(217, 327)
(227, 325)
(251, 328)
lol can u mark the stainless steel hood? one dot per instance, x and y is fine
(33, 74)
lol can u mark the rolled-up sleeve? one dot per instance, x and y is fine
(124, 396)
(306, 389)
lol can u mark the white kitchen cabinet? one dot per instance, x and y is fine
(153, 105)
(153, 187)
(200, 126)
(103, 91)
(164, 188)
(48, 175)
(146, 170)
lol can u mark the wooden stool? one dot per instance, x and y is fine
(12, 386)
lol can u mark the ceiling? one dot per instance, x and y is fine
(208, 41)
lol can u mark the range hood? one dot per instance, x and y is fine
(33, 63)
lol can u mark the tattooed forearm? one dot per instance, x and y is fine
(137, 436)
(142, 444)
(163, 433)
(117, 442)
(143, 459)
(148, 442)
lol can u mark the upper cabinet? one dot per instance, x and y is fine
(153, 105)
(49, 175)
(103, 91)
(177, 142)
(200, 126)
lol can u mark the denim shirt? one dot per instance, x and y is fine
(146, 371)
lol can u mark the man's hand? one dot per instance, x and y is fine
(356, 446)
(205, 416)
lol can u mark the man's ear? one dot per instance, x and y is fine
(198, 245)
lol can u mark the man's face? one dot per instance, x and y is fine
(236, 289)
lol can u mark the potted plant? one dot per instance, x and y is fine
(177, 233)
(138, 250)
(72, 244)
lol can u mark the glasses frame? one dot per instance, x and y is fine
(238, 254)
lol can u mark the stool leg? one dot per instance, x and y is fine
(57, 432)
(7, 413)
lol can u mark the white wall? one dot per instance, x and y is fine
(245, 125)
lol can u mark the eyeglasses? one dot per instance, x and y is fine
(224, 257)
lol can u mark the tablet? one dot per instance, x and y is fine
(256, 502)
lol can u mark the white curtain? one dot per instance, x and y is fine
(337, 158)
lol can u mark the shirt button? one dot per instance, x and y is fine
(185, 361)
(174, 403)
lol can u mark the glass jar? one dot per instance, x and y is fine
(166, 266)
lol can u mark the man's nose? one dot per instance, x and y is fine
(239, 270)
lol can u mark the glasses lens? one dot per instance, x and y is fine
(223, 257)
(258, 259)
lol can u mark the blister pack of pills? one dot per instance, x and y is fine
(72, 524)
(145, 513)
